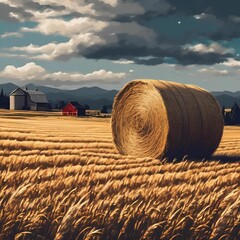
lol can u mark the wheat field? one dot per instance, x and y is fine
(61, 178)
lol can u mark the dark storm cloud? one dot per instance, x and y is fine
(127, 11)
(207, 21)
(218, 8)
(201, 59)
(228, 31)
(155, 55)
(148, 32)
(149, 61)
(222, 14)
(131, 9)
(116, 52)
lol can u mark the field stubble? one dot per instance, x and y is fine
(61, 178)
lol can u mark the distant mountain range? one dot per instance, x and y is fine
(96, 97)
(227, 98)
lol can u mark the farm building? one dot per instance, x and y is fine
(232, 116)
(24, 99)
(73, 109)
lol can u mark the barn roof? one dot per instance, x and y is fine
(17, 92)
(77, 105)
(35, 95)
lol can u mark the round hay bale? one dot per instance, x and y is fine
(153, 118)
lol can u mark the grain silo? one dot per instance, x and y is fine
(18, 99)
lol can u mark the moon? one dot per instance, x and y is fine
(179, 22)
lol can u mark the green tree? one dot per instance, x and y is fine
(104, 109)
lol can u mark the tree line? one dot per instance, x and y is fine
(4, 100)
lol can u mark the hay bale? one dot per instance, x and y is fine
(153, 118)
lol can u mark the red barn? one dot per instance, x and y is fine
(73, 109)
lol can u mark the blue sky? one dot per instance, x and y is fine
(106, 43)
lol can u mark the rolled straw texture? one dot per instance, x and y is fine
(154, 118)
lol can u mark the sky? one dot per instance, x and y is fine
(106, 43)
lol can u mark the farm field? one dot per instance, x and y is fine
(61, 178)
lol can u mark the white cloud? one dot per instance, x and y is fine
(114, 8)
(234, 18)
(68, 28)
(100, 75)
(104, 8)
(16, 16)
(12, 3)
(201, 16)
(13, 55)
(214, 71)
(98, 33)
(120, 8)
(29, 10)
(29, 71)
(33, 72)
(113, 3)
(231, 62)
(123, 62)
(46, 14)
(107, 29)
(64, 50)
(11, 34)
(71, 5)
(212, 48)
(84, 43)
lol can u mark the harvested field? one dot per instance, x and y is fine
(61, 178)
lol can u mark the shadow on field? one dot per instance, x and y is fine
(225, 158)
(222, 158)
